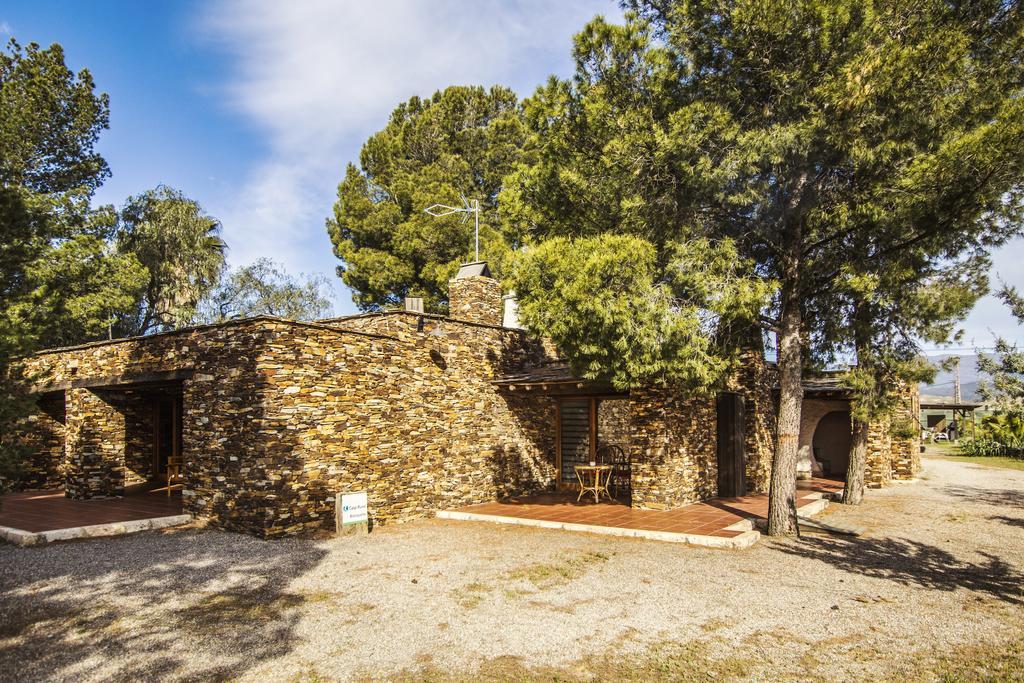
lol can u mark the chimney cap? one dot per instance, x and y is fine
(414, 304)
(474, 269)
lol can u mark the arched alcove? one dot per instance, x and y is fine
(831, 442)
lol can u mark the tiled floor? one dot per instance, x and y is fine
(709, 518)
(37, 511)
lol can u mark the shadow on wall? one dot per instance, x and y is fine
(911, 563)
(517, 470)
(515, 473)
(205, 605)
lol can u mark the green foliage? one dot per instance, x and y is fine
(863, 157)
(180, 247)
(83, 284)
(997, 434)
(461, 142)
(619, 318)
(878, 383)
(1004, 389)
(50, 120)
(264, 288)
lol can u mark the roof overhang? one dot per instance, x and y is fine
(962, 405)
(129, 381)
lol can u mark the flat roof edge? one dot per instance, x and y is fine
(196, 328)
(434, 316)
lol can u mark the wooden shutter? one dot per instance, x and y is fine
(575, 437)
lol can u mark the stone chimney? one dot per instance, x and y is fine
(474, 295)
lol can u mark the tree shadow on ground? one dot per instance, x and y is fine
(912, 563)
(986, 496)
(186, 604)
(1012, 521)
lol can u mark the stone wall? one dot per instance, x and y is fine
(139, 431)
(755, 379)
(221, 398)
(879, 456)
(94, 446)
(674, 442)
(614, 423)
(42, 433)
(279, 417)
(888, 457)
(414, 421)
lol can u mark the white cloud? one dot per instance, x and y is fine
(6, 29)
(318, 77)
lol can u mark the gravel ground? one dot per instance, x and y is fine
(934, 585)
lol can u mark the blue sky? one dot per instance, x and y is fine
(255, 107)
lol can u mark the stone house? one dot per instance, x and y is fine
(272, 418)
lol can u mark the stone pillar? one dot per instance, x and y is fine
(475, 298)
(94, 446)
(906, 450)
(879, 456)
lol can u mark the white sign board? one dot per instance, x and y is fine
(353, 508)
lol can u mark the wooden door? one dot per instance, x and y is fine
(166, 432)
(732, 459)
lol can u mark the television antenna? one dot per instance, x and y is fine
(469, 206)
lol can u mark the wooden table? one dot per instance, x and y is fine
(600, 474)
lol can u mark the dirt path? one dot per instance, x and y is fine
(932, 590)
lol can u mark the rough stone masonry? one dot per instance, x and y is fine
(278, 416)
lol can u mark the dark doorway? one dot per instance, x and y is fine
(732, 457)
(166, 433)
(831, 443)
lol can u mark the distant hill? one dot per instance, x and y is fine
(942, 387)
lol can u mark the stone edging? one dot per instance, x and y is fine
(746, 539)
(21, 537)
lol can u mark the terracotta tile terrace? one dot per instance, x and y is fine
(39, 511)
(699, 523)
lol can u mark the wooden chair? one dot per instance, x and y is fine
(174, 474)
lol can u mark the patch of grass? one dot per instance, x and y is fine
(716, 624)
(309, 674)
(956, 517)
(550, 574)
(776, 654)
(984, 662)
(997, 461)
(941, 448)
(471, 595)
(685, 662)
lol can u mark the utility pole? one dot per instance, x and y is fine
(956, 379)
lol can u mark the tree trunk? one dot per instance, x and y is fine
(853, 492)
(782, 492)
